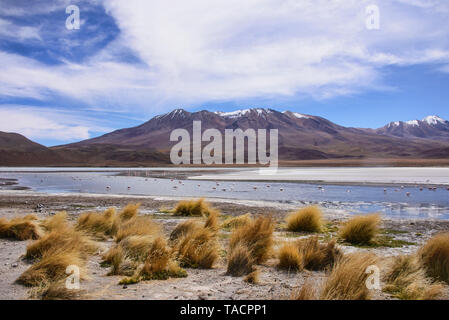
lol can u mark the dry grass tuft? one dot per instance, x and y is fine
(235, 222)
(306, 292)
(58, 291)
(99, 224)
(23, 228)
(347, 280)
(253, 277)
(257, 236)
(212, 222)
(159, 264)
(198, 248)
(52, 268)
(183, 228)
(59, 220)
(406, 279)
(240, 261)
(63, 238)
(361, 229)
(318, 256)
(308, 254)
(129, 212)
(308, 219)
(137, 226)
(192, 208)
(435, 257)
(290, 258)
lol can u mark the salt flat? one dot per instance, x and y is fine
(392, 175)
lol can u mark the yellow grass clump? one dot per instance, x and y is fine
(159, 264)
(59, 220)
(183, 228)
(235, 222)
(253, 277)
(308, 219)
(137, 226)
(212, 222)
(100, 224)
(129, 212)
(52, 268)
(406, 279)
(290, 258)
(63, 237)
(58, 291)
(198, 248)
(307, 292)
(308, 254)
(23, 228)
(191, 208)
(240, 261)
(435, 257)
(361, 229)
(257, 236)
(347, 280)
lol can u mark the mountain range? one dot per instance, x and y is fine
(301, 137)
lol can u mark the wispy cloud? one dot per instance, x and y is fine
(48, 123)
(182, 52)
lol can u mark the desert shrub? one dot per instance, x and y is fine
(240, 261)
(183, 228)
(318, 256)
(361, 229)
(308, 219)
(406, 279)
(307, 292)
(253, 277)
(159, 264)
(290, 258)
(191, 208)
(257, 236)
(52, 268)
(62, 237)
(308, 254)
(347, 280)
(129, 212)
(137, 226)
(24, 228)
(59, 220)
(212, 221)
(58, 291)
(198, 249)
(435, 257)
(100, 224)
(234, 222)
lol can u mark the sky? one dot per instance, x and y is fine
(131, 60)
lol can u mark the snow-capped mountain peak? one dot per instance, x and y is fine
(243, 112)
(433, 120)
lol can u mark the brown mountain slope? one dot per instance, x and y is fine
(301, 137)
(16, 150)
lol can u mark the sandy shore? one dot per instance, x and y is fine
(200, 284)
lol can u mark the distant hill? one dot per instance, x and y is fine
(16, 150)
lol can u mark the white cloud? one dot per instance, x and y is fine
(46, 123)
(198, 50)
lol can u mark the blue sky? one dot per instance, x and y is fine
(131, 60)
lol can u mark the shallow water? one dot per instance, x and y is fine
(393, 203)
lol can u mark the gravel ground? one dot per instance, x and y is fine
(200, 284)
